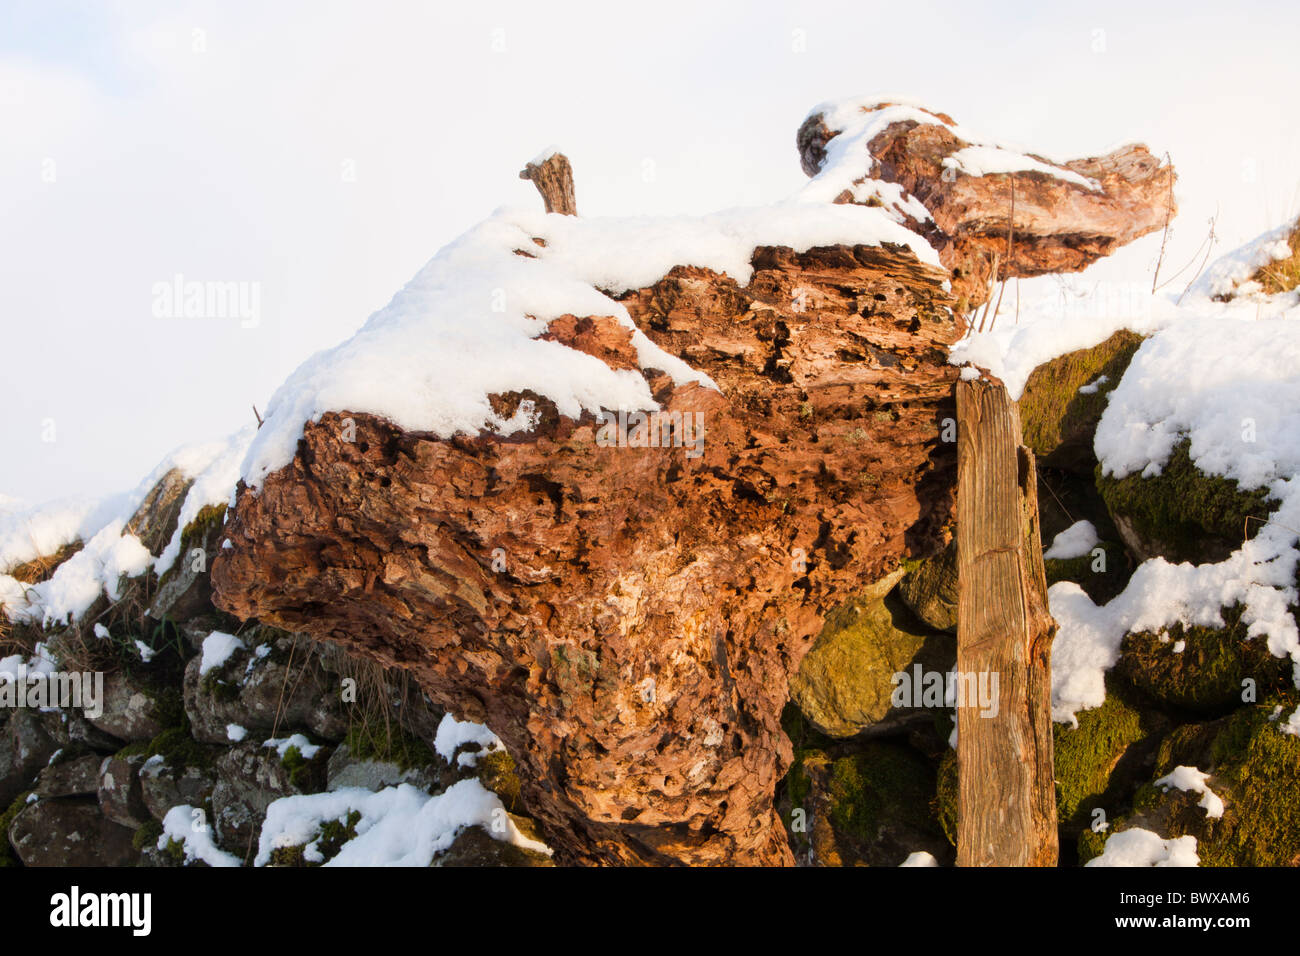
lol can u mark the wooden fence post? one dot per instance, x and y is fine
(1006, 786)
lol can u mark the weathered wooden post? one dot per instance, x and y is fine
(553, 177)
(1006, 790)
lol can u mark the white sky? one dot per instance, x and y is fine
(226, 163)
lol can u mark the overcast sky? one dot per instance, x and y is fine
(325, 151)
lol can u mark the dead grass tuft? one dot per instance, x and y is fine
(1284, 274)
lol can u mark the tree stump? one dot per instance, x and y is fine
(553, 178)
(1006, 792)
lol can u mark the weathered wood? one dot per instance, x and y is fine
(1006, 792)
(553, 178)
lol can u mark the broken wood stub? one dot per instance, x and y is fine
(553, 178)
(1006, 790)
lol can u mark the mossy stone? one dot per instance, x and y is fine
(1253, 767)
(930, 589)
(1098, 763)
(496, 771)
(1057, 420)
(1102, 576)
(7, 855)
(844, 684)
(1183, 514)
(1209, 675)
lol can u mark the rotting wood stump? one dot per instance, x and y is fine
(626, 618)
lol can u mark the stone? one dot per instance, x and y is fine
(70, 833)
(1252, 766)
(346, 770)
(474, 846)
(134, 708)
(74, 777)
(185, 590)
(1057, 420)
(164, 784)
(282, 691)
(1183, 514)
(155, 520)
(25, 748)
(120, 796)
(1208, 674)
(249, 778)
(845, 683)
(930, 590)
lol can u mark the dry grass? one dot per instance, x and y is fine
(40, 569)
(383, 694)
(1284, 274)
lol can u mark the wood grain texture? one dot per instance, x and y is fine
(1006, 795)
(553, 178)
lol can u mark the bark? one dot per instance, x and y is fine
(1007, 796)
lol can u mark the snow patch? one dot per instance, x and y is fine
(1074, 542)
(218, 647)
(1189, 778)
(399, 826)
(1138, 847)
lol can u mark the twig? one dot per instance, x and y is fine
(1164, 239)
(1011, 240)
(1208, 249)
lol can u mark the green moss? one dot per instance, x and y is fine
(1259, 766)
(7, 855)
(1057, 420)
(178, 749)
(1090, 845)
(391, 744)
(1100, 585)
(1087, 758)
(881, 783)
(290, 856)
(335, 833)
(496, 771)
(945, 799)
(1207, 676)
(174, 851)
(329, 841)
(147, 836)
(1182, 513)
(307, 776)
(911, 564)
(1254, 767)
